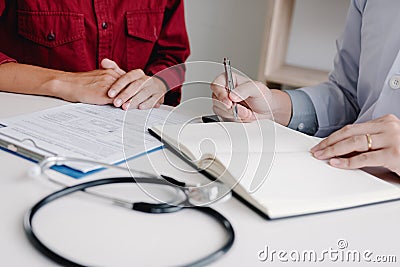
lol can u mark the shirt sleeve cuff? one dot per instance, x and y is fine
(5, 59)
(304, 117)
(173, 77)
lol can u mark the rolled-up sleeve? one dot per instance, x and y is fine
(335, 101)
(4, 59)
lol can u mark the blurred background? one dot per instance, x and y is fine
(240, 30)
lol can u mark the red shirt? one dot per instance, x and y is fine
(74, 35)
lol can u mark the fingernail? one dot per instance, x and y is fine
(335, 162)
(118, 102)
(319, 154)
(141, 107)
(112, 93)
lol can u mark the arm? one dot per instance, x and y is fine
(335, 101)
(87, 87)
(26, 79)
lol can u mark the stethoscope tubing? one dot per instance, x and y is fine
(140, 206)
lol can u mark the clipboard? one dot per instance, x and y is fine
(12, 147)
(84, 131)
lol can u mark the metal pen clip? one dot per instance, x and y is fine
(230, 84)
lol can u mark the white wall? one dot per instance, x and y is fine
(225, 28)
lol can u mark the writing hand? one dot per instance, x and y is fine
(255, 101)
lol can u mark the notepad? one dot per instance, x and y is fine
(271, 169)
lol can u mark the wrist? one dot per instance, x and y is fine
(282, 107)
(59, 85)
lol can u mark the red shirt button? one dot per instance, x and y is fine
(51, 36)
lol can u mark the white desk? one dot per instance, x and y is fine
(187, 236)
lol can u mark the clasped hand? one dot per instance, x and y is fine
(112, 85)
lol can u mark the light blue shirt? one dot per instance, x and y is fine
(304, 116)
(365, 82)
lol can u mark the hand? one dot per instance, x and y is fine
(86, 87)
(254, 101)
(385, 145)
(134, 89)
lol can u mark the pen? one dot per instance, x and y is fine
(230, 84)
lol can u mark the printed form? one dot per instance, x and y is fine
(99, 133)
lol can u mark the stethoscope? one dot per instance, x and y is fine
(189, 197)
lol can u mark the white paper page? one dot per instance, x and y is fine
(300, 184)
(88, 131)
(230, 137)
(296, 183)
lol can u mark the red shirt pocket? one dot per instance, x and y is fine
(143, 29)
(51, 29)
(53, 39)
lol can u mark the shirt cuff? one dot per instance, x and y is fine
(304, 117)
(5, 59)
(172, 76)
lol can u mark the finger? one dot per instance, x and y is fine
(111, 73)
(247, 90)
(109, 64)
(124, 81)
(218, 88)
(358, 143)
(223, 113)
(217, 102)
(221, 110)
(142, 95)
(130, 92)
(127, 94)
(244, 114)
(152, 102)
(367, 159)
(346, 132)
(127, 105)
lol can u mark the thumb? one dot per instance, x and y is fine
(109, 64)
